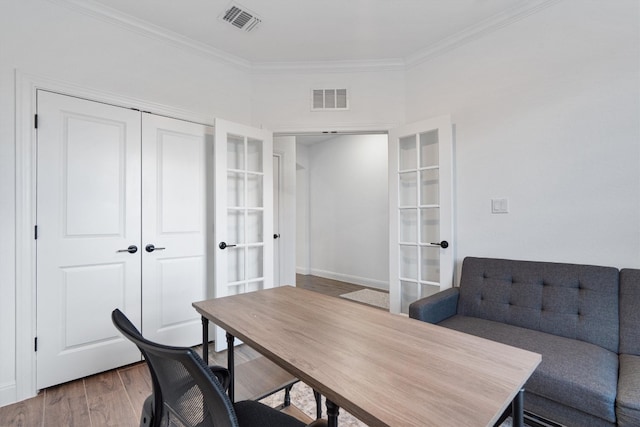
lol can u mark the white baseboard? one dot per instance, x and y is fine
(303, 270)
(8, 393)
(363, 281)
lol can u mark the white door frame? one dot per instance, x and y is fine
(25, 186)
(277, 243)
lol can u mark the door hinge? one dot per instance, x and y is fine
(35, 121)
(35, 344)
(35, 232)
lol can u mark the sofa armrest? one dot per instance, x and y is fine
(437, 307)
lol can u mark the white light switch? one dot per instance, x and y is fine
(499, 206)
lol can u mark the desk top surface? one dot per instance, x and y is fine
(383, 368)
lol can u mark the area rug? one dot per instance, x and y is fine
(370, 297)
(302, 397)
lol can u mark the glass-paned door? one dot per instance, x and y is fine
(421, 226)
(244, 211)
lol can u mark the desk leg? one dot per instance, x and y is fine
(205, 340)
(517, 409)
(332, 413)
(231, 366)
(318, 398)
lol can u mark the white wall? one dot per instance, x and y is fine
(547, 115)
(349, 209)
(282, 101)
(42, 38)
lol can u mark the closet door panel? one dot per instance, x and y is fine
(174, 202)
(88, 215)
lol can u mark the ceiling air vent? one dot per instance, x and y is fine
(329, 99)
(240, 17)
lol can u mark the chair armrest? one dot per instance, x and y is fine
(437, 307)
(222, 374)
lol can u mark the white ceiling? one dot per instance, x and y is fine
(298, 31)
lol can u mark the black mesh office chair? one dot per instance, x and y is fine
(187, 392)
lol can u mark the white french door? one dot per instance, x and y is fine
(174, 253)
(243, 211)
(121, 214)
(88, 235)
(421, 210)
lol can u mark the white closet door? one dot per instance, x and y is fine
(421, 211)
(88, 215)
(243, 211)
(174, 202)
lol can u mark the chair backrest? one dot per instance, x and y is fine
(185, 390)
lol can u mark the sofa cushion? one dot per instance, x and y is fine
(574, 373)
(628, 400)
(629, 312)
(572, 301)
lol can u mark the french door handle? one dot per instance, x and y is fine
(150, 248)
(223, 245)
(131, 249)
(444, 244)
(276, 236)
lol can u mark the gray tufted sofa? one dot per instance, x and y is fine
(584, 320)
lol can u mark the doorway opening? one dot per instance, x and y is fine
(342, 209)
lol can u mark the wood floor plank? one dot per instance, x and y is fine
(108, 402)
(137, 384)
(259, 378)
(297, 413)
(66, 405)
(242, 354)
(28, 413)
(324, 286)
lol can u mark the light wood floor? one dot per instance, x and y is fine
(115, 398)
(330, 287)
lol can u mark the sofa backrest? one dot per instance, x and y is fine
(630, 311)
(568, 300)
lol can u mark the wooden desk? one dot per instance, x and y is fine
(385, 369)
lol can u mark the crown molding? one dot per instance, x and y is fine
(139, 26)
(478, 31)
(114, 17)
(345, 66)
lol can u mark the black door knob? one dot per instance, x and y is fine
(223, 245)
(276, 236)
(444, 244)
(150, 248)
(131, 249)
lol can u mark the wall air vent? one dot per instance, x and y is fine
(240, 17)
(329, 99)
